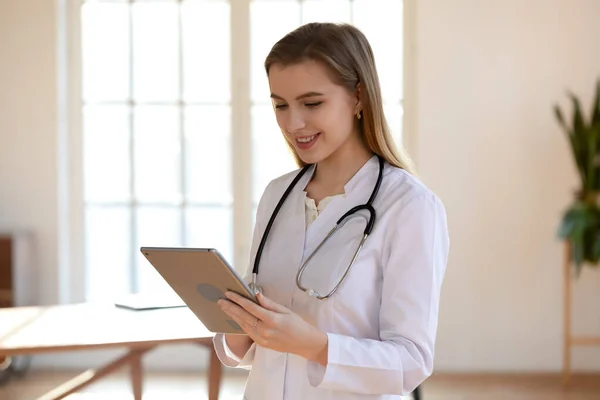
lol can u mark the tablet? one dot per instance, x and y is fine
(200, 276)
(149, 301)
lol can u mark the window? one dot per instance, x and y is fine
(177, 122)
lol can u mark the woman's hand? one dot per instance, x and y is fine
(273, 326)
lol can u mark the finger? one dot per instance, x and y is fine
(270, 304)
(236, 312)
(246, 327)
(251, 328)
(250, 306)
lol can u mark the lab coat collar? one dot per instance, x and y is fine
(317, 231)
(371, 165)
(366, 170)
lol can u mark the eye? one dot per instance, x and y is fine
(280, 106)
(314, 104)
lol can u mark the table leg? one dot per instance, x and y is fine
(90, 376)
(136, 377)
(214, 376)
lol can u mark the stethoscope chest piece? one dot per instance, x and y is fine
(254, 287)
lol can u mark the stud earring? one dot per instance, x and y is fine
(358, 115)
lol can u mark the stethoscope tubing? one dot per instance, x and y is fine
(368, 229)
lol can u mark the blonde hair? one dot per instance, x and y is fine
(346, 52)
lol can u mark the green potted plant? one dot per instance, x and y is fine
(580, 224)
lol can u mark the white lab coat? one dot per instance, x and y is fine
(382, 321)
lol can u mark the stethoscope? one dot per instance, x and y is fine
(371, 221)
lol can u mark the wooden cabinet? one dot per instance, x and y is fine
(16, 278)
(6, 271)
(17, 288)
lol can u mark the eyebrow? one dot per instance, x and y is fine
(308, 94)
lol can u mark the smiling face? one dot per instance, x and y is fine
(317, 116)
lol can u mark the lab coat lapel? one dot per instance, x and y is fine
(356, 193)
(297, 241)
(285, 247)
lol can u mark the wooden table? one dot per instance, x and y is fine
(36, 330)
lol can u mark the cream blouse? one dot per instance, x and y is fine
(313, 211)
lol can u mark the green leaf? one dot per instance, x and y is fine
(591, 159)
(595, 251)
(561, 119)
(595, 114)
(578, 121)
(578, 252)
(566, 227)
(576, 144)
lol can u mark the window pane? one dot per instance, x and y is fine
(211, 227)
(155, 49)
(105, 52)
(208, 154)
(271, 156)
(106, 157)
(108, 257)
(206, 45)
(157, 154)
(265, 30)
(160, 227)
(394, 116)
(326, 11)
(382, 24)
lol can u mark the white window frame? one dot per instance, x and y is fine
(71, 284)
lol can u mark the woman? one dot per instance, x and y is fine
(373, 338)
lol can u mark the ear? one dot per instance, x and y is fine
(358, 93)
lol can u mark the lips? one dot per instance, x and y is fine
(306, 142)
(306, 139)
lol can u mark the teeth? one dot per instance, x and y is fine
(306, 139)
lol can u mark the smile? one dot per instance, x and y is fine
(307, 139)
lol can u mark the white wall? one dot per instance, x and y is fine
(487, 74)
(28, 131)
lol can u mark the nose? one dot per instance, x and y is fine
(294, 120)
